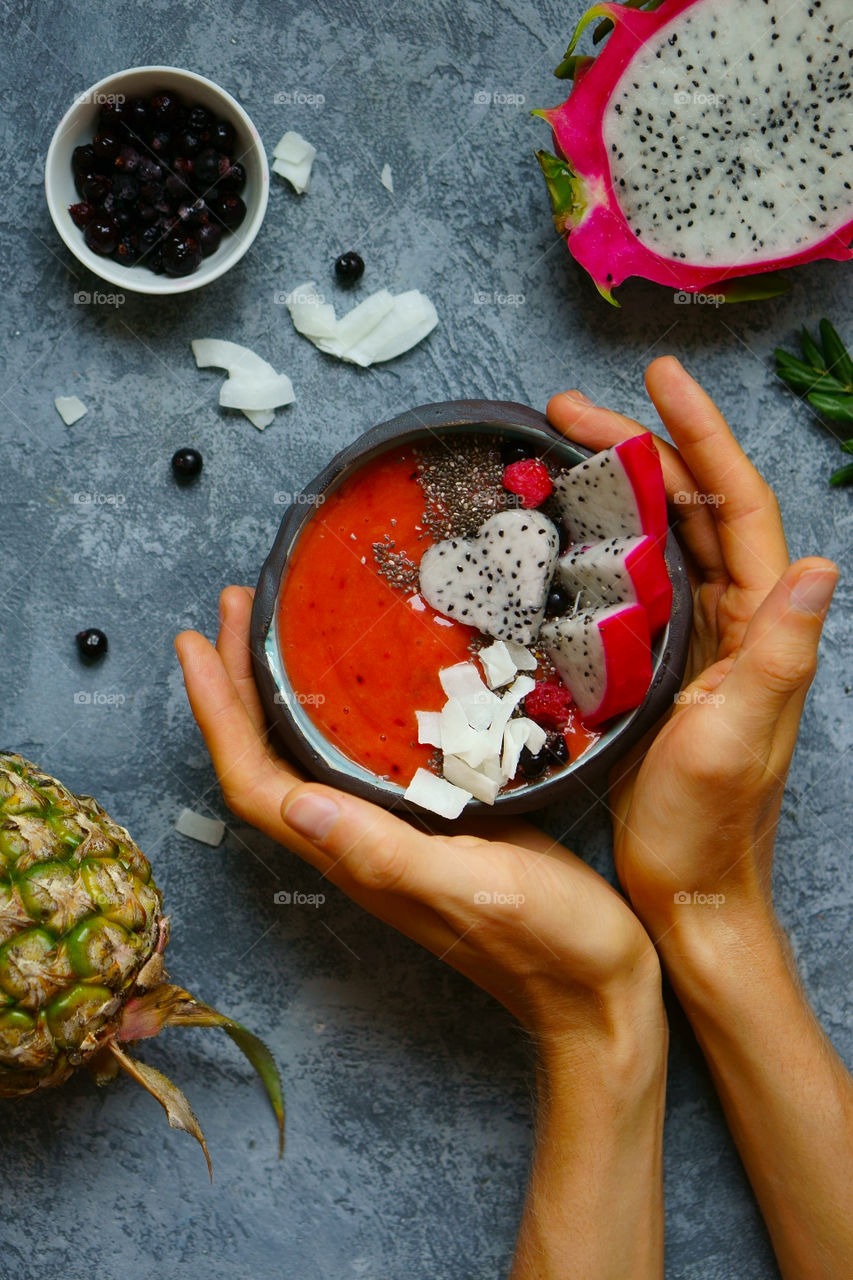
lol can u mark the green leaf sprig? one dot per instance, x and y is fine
(824, 377)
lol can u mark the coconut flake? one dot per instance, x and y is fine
(457, 735)
(497, 664)
(256, 393)
(463, 682)
(228, 355)
(292, 159)
(386, 179)
(462, 775)
(380, 328)
(70, 409)
(437, 794)
(259, 418)
(521, 656)
(198, 827)
(429, 728)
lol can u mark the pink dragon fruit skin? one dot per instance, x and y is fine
(580, 180)
(617, 493)
(622, 570)
(604, 659)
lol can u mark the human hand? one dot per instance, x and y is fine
(696, 811)
(554, 942)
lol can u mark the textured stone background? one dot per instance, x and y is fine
(408, 1090)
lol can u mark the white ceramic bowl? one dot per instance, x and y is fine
(78, 127)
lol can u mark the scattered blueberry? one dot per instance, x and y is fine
(515, 451)
(533, 766)
(349, 267)
(187, 464)
(92, 644)
(559, 602)
(556, 750)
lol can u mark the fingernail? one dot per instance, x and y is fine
(577, 396)
(812, 592)
(312, 816)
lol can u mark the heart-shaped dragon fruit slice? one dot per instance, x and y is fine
(498, 580)
(603, 658)
(708, 141)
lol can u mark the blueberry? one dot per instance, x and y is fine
(349, 267)
(106, 146)
(207, 167)
(181, 255)
(161, 143)
(233, 179)
(110, 114)
(533, 766)
(162, 108)
(559, 602)
(188, 142)
(178, 189)
(209, 236)
(565, 540)
(102, 234)
(148, 239)
(81, 214)
(96, 188)
(83, 159)
(224, 137)
(125, 189)
(127, 250)
(230, 210)
(556, 750)
(515, 451)
(199, 119)
(187, 464)
(92, 644)
(150, 170)
(154, 261)
(127, 160)
(134, 117)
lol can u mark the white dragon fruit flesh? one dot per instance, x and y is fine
(708, 142)
(620, 571)
(498, 580)
(618, 493)
(603, 658)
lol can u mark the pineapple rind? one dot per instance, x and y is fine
(79, 918)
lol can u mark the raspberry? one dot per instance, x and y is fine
(548, 704)
(530, 480)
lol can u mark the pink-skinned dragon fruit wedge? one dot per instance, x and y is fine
(708, 143)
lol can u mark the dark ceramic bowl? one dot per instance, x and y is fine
(305, 744)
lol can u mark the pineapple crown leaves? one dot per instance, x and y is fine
(824, 377)
(146, 1015)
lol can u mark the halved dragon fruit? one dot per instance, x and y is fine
(709, 141)
(603, 657)
(498, 580)
(618, 493)
(621, 571)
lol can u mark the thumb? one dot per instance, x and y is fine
(778, 659)
(361, 842)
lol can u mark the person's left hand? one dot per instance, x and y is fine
(521, 916)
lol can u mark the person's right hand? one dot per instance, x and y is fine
(696, 814)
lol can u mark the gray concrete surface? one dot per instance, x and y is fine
(409, 1092)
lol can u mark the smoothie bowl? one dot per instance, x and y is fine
(465, 611)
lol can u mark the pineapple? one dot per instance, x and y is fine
(82, 935)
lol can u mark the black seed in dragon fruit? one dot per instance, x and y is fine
(603, 657)
(497, 581)
(620, 571)
(708, 141)
(618, 493)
